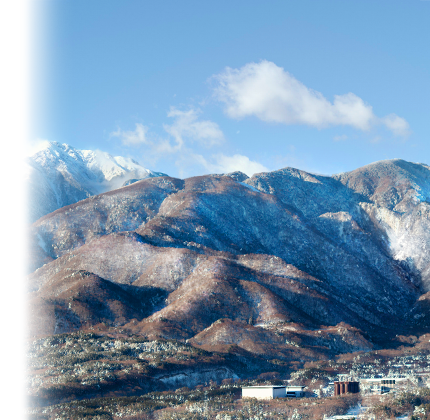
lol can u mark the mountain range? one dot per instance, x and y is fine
(59, 175)
(285, 264)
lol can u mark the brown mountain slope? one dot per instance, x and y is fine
(276, 251)
(287, 342)
(203, 288)
(82, 299)
(124, 209)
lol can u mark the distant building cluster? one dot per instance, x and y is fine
(265, 392)
(373, 385)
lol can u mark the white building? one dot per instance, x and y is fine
(264, 392)
(381, 385)
(295, 391)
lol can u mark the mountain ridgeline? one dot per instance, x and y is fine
(285, 263)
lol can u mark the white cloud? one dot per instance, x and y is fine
(220, 163)
(177, 145)
(187, 125)
(132, 138)
(241, 163)
(29, 148)
(399, 126)
(271, 94)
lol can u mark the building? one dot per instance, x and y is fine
(264, 392)
(381, 385)
(346, 387)
(295, 391)
(390, 382)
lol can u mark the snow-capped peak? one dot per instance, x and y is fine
(60, 175)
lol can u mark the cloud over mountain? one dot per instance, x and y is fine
(271, 94)
(186, 124)
(188, 137)
(236, 162)
(132, 138)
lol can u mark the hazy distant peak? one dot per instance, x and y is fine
(60, 175)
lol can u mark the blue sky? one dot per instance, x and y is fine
(193, 87)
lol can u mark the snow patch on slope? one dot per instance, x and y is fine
(42, 243)
(250, 187)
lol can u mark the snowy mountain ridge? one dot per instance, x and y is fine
(59, 175)
(223, 255)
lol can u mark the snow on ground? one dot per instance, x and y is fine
(250, 187)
